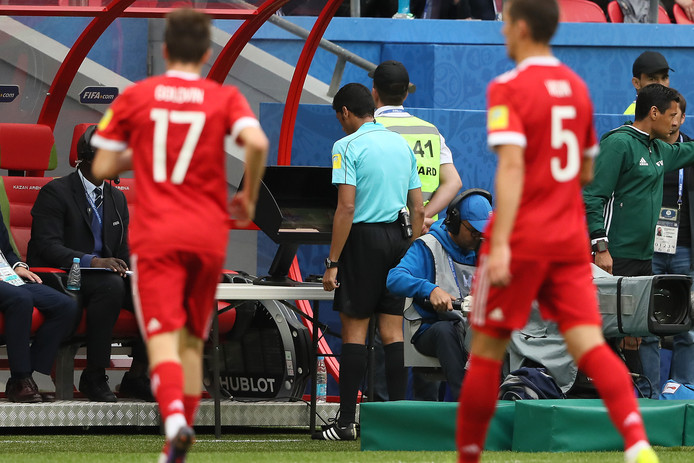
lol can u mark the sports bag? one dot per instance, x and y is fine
(529, 383)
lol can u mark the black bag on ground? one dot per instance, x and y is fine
(529, 383)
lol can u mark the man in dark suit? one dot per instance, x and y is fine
(20, 291)
(78, 216)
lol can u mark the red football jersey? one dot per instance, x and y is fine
(543, 106)
(176, 125)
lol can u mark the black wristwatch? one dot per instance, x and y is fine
(330, 263)
(600, 245)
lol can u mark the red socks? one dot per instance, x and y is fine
(477, 406)
(611, 378)
(191, 403)
(480, 389)
(167, 387)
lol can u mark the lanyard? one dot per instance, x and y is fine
(94, 208)
(455, 276)
(679, 189)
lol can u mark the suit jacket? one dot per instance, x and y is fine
(61, 227)
(5, 245)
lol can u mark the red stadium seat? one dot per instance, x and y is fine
(27, 147)
(614, 11)
(680, 15)
(17, 196)
(580, 11)
(23, 147)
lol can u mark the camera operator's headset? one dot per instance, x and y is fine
(453, 220)
(85, 152)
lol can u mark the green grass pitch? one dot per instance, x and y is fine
(263, 446)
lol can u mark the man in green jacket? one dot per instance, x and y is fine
(624, 199)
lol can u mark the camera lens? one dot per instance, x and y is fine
(668, 305)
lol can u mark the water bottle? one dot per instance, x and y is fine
(74, 278)
(321, 381)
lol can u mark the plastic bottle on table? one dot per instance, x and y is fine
(74, 278)
(321, 381)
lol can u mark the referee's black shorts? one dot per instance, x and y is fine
(371, 250)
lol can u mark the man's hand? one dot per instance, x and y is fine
(242, 209)
(27, 274)
(428, 222)
(630, 343)
(441, 300)
(687, 7)
(499, 265)
(330, 279)
(112, 263)
(604, 261)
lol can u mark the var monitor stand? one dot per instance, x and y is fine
(279, 269)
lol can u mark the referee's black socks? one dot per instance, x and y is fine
(352, 370)
(396, 374)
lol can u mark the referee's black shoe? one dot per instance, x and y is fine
(335, 432)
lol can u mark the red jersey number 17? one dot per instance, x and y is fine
(162, 118)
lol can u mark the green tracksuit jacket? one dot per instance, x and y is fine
(623, 201)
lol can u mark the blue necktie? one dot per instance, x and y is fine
(98, 198)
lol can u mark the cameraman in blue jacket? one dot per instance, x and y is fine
(436, 270)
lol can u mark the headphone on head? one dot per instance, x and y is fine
(85, 152)
(453, 220)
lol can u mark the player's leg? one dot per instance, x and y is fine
(167, 379)
(352, 365)
(190, 354)
(575, 301)
(389, 241)
(611, 378)
(356, 299)
(479, 394)
(200, 303)
(352, 370)
(496, 312)
(157, 286)
(190, 351)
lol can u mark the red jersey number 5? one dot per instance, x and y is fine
(562, 136)
(162, 118)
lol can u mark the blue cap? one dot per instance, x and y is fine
(476, 210)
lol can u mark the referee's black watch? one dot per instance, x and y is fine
(330, 263)
(600, 246)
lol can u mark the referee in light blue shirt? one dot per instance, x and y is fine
(375, 172)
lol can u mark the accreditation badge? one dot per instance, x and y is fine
(666, 230)
(7, 274)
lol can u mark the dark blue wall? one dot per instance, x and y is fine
(451, 62)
